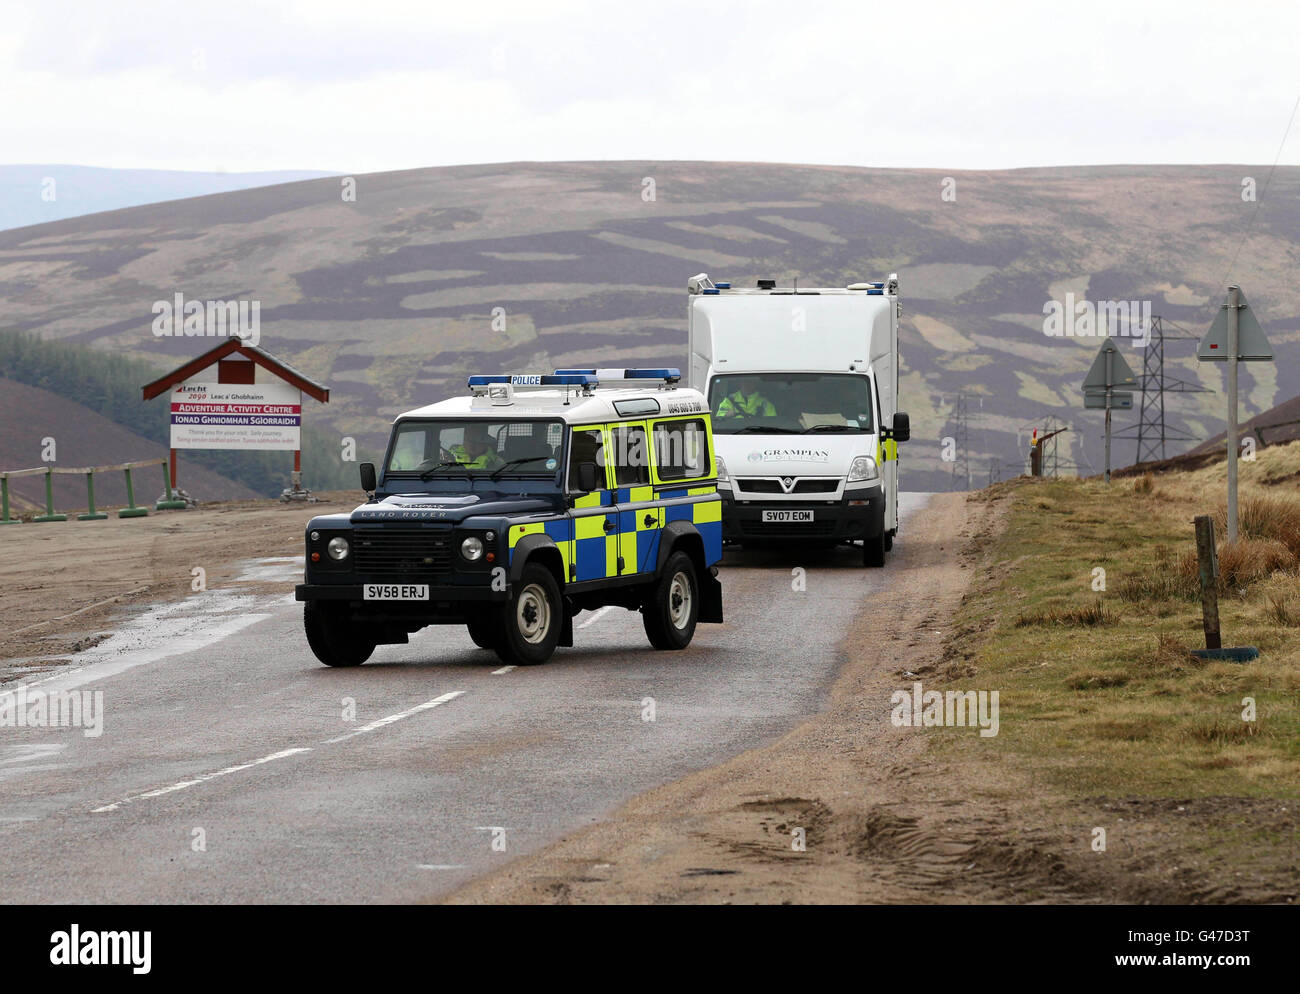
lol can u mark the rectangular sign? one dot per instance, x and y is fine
(1118, 401)
(791, 516)
(395, 592)
(236, 416)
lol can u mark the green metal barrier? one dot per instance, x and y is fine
(172, 502)
(132, 510)
(49, 514)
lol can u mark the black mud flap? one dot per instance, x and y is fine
(566, 630)
(710, 599)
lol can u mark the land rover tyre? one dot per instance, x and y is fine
(672, 605)
(873, 550)
(334, 640)
(484, 628)
(531, 619)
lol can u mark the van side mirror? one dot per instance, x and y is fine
(902, 427)
(589, 477)
(368, 481)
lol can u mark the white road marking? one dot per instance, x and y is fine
(397, 717)
(596, 617)
(441, 866)
(202, 778)
(504, 669)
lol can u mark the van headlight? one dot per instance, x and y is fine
(863, 468)
(472, 548)
(338, 549)
(722, 469)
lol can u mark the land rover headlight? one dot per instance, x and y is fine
(472, 548)
(338, 549)
(722, 469)
(863, 468)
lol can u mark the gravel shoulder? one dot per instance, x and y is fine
(882, 821)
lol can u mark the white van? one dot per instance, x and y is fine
(803, 386)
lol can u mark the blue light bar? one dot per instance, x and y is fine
(711, 291)
(875, 293)
(723, 286)
(670, 373)
(565, 378)
(878, 286)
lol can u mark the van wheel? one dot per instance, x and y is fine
(673, 604)
(889, 540)
(335, 640)
(484, 629)
(529, 622)
(873, 551)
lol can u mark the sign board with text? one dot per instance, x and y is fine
(236, 416)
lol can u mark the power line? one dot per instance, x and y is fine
(1259, 200)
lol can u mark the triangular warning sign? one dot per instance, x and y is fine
(1252, 345)
(1112, 374)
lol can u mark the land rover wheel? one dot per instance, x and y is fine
(334, 639)
(530, 621)
(672, 605)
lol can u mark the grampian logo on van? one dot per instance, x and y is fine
(790, 455)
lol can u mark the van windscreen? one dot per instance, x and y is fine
(790, 403)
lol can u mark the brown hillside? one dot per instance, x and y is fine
(84, 438)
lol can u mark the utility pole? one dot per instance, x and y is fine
(1234, 323)
(961, 464)
(1151, 430)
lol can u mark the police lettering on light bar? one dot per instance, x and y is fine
(535, 380)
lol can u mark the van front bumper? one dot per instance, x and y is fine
(860, 515)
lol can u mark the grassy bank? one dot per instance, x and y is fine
(1099, 696)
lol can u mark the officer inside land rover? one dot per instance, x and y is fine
(479, 449)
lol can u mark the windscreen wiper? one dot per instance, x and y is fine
(807, 431)
(428, 473)
(762, 430)
(515, 462)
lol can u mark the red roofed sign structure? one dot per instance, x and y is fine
(237, 396)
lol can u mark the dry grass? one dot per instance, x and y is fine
(1108, 697)
(1145, 484)
(1272, 518)
(1087, 616)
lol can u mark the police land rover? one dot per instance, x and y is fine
(515, 508)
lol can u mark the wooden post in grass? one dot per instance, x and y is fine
(1208, 573)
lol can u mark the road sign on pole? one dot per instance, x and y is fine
(1118, 401)
(1235, 336)
(1109, 372)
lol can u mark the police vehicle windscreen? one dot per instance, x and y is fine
(790, 403)
(456, 447)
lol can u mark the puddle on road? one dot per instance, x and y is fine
(196, 622)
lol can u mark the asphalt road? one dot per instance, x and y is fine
(232, 767)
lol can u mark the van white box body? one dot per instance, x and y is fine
(804, 390)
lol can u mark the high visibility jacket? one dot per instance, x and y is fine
(488, 460)
(740, 403)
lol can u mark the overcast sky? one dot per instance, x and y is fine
(367, 85)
